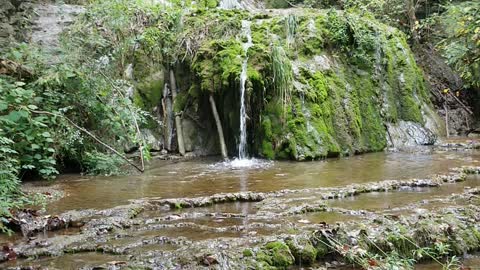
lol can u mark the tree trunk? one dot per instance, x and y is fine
(445, 107)
(178, 120)
(223, 147)
(412, 19)
(167, 118)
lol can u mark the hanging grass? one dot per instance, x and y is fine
(291, 29)
(282, 76)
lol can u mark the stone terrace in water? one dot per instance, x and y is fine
(213, 230)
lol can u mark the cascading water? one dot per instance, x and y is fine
(243, 161)
(242, 153)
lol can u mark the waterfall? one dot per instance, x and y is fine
(242, 153)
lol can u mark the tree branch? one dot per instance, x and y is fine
(93, 137)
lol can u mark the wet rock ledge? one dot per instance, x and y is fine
(270, 240)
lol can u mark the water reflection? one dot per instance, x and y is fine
(206, 177)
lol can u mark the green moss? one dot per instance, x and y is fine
(262, 265)
(150, 92)
(280, 254)
(303, 251)
(263, 256)
(247, 253)
(217, 63)
(352, 76)
(267, 145)
(178, 206)
(180, 101)
(207, 4)
(322, 250)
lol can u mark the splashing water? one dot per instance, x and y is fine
(242, 153)
(240, 164)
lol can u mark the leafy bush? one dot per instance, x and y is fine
(29, 132)
(101, 164)
(460, 43)
(57, 116)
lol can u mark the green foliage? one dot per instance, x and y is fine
(9, 184)
(43, 118)
(338, 31)
(460, 44)
(99, 163)
(33, 142)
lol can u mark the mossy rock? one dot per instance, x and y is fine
(347, 76)
(320, 243)
(276, 254)
(303, 251)
(149, 92)
(262, 265)
(263, 256)
(247, 253)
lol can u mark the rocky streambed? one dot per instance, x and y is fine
(261, 218)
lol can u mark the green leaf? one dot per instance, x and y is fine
(35, 146)
(14, 116)
(32, 107)
(46, 134)
(3, 106)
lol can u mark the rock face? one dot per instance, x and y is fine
(341, 79)
(440, 76)
(52, 20)
(13, 21)
(197, 139)
(152, 139)
(405, 134)
(319, 83)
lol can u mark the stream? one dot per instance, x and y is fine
(289, 185)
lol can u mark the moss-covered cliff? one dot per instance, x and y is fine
(320, 83)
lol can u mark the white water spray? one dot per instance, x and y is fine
(242, 153)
